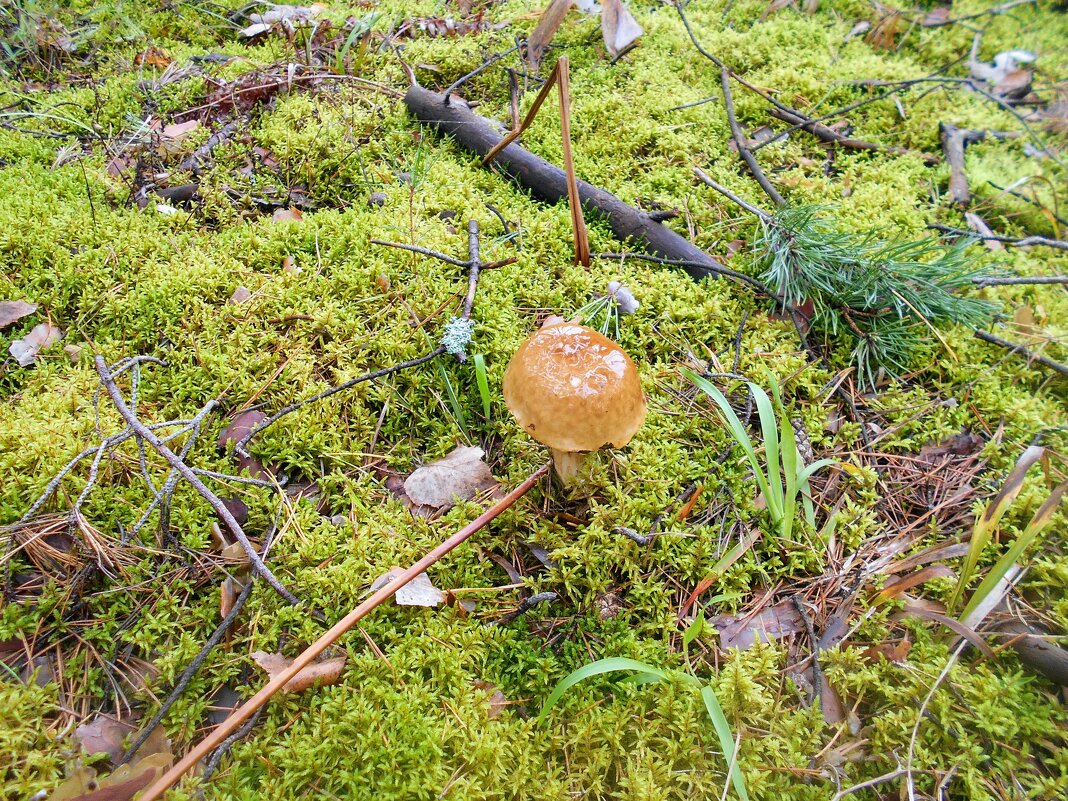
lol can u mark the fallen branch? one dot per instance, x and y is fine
(1030, 355)
(195, 160)
(740, 140)
(549, 183)
(954, 141)
(186, 472)
(247, 709)
(823, 133)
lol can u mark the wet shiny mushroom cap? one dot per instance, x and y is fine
(574, 390)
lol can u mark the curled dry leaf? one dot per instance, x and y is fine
(497, 700)
(323, 673)
(151, 761)
(462, 474)
(11, 311)
(417, 592)
(103, 734)
(42, 336)
(770, 623)
(287, 215)
(618, 27)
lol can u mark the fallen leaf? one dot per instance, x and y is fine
(462, 474)
(74, 352)
(42, 336)
(549, 23)
(285, 18)
(936, 16)
(417, 592)
(770, 623)
(618, 27)
(176, 130)
(241, 295)
(861, 27)
(776, 5)
(287, 215)
(239, 427)
(890, 652)
(1004, 63)
(153, 57)
(104, 734)
(11, 311)
(1016, 85)
(497, 700)
(978, 224)
(323, 673)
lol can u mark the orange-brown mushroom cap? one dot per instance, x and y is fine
(574, 390)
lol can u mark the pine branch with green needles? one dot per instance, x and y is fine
(888, 298)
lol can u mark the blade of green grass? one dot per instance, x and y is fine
(726, 740)
(483, 383)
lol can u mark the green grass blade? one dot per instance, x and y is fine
(483, 383)
(1009, 558)
(769, 427)
(454, 400)
(726, 740)
(609, 665)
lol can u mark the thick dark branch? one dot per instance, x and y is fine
(549, 183)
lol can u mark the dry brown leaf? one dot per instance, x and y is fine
(104, 734)
(896, 588)
(323, 673)
(417, 592)
(462, 474)
(497, 700)
(618, 27)
(771, 623)
(11, 311)
(125, 782)
(548, 25)
(153, 57)
(891, 652)
(1015, 85)
(42, 336)
(776, 5)
(287, 215)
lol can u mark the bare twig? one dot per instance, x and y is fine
(708, 181)
(485, 64)
(741, 140)
(194, 161)
(1030, 355)
(187, 473)
(190, 670)
(247, 709)
(474, 266)
(1021, 279)
(832, 136)
(954, 141)
(1015, 241)
(715, 270)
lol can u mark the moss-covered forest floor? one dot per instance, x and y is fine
(245, 265)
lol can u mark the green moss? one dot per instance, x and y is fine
(121, 281)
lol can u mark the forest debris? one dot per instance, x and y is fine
(324, 673)
(497, 701)
(549, 23)
(124, 783)
(891, 652)
(417, 592)
(153, 57)
(282, 18)
(241, 295)
(770, 623)
(549, 183)
(104, 734)
(978, 224)
(171, 136)
(618, 27)
(461, 474)
(1004, 64)
(11, 311)
(43, 336)
(287, 215)
(954, 141)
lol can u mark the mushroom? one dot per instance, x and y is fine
(575, 390)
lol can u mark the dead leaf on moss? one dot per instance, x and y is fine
(323, 673)
(618, 28)
(241, 295)
(417, 592)
(462, 474)
(11, 311)
(549, 23)
(936, 17)
(287, 215)
(497, 700)
(104, 734)
(770, 623)
(125, 782)
(42, 336)
(153, 57)
(1015, 85)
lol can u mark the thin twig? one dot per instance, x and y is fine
(212, 763)
(190, 670)
(716, 270)
(1015, 241)
(246, 710)
(740, 140)
(187, 473)
(832, 136)
(487, 63)
(1021, 279)
(707, 180)
(474, 266)
(1030, 355)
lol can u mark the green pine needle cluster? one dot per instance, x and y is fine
(888, 298)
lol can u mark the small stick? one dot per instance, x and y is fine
(193, 162)
(246, 710)
(704, 178)
(487, 63)
(954, 141)
(1030, 355)
(141, 430)
(1021, 279)
(190, 670)
(740, 140)
(1020, 242)
(712, 270)
(832, 136)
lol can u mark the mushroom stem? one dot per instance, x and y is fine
(567, 464)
